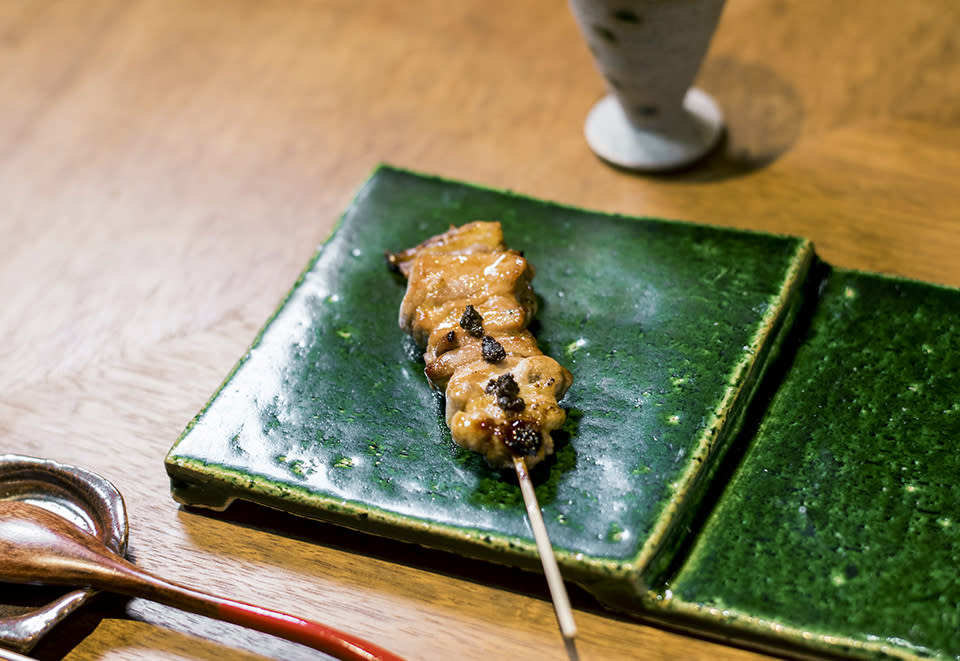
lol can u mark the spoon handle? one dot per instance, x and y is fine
(133, 581)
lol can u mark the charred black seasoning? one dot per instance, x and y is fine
(491, 350)
(472, 322)
(521, 437)
(448, 342)
(507, 392)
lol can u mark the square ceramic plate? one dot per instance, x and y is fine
(830, 527)
(666, 327)
(840, 528)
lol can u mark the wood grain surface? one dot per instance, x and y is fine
(167, 167)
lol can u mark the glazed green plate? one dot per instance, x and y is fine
(840, 528)
(672, 331)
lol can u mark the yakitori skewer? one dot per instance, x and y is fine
(468, 303)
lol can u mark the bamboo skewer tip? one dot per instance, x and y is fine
(558, 591)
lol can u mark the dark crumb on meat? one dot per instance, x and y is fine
(491, 350)
(447, 342)
(507, 392)
(392, 261)
(521, 437)
(472, 322)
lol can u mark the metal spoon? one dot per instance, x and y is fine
(38, 547)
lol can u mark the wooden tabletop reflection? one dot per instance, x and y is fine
(167, 168)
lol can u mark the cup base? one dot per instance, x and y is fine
(685, 139)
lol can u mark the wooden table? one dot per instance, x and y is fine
(167, 167)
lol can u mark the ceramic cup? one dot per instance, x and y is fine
(649, 52)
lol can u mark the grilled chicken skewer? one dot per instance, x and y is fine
(468, 303)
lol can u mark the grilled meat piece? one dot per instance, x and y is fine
(468, 303)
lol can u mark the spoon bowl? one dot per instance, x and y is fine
(88, 500)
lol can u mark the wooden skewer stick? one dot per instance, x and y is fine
(558, 591)
(10, 655)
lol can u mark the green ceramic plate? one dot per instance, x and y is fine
(673, 333)
(840, 529)
(666, 327)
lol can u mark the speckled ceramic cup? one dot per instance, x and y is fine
(649, 52)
